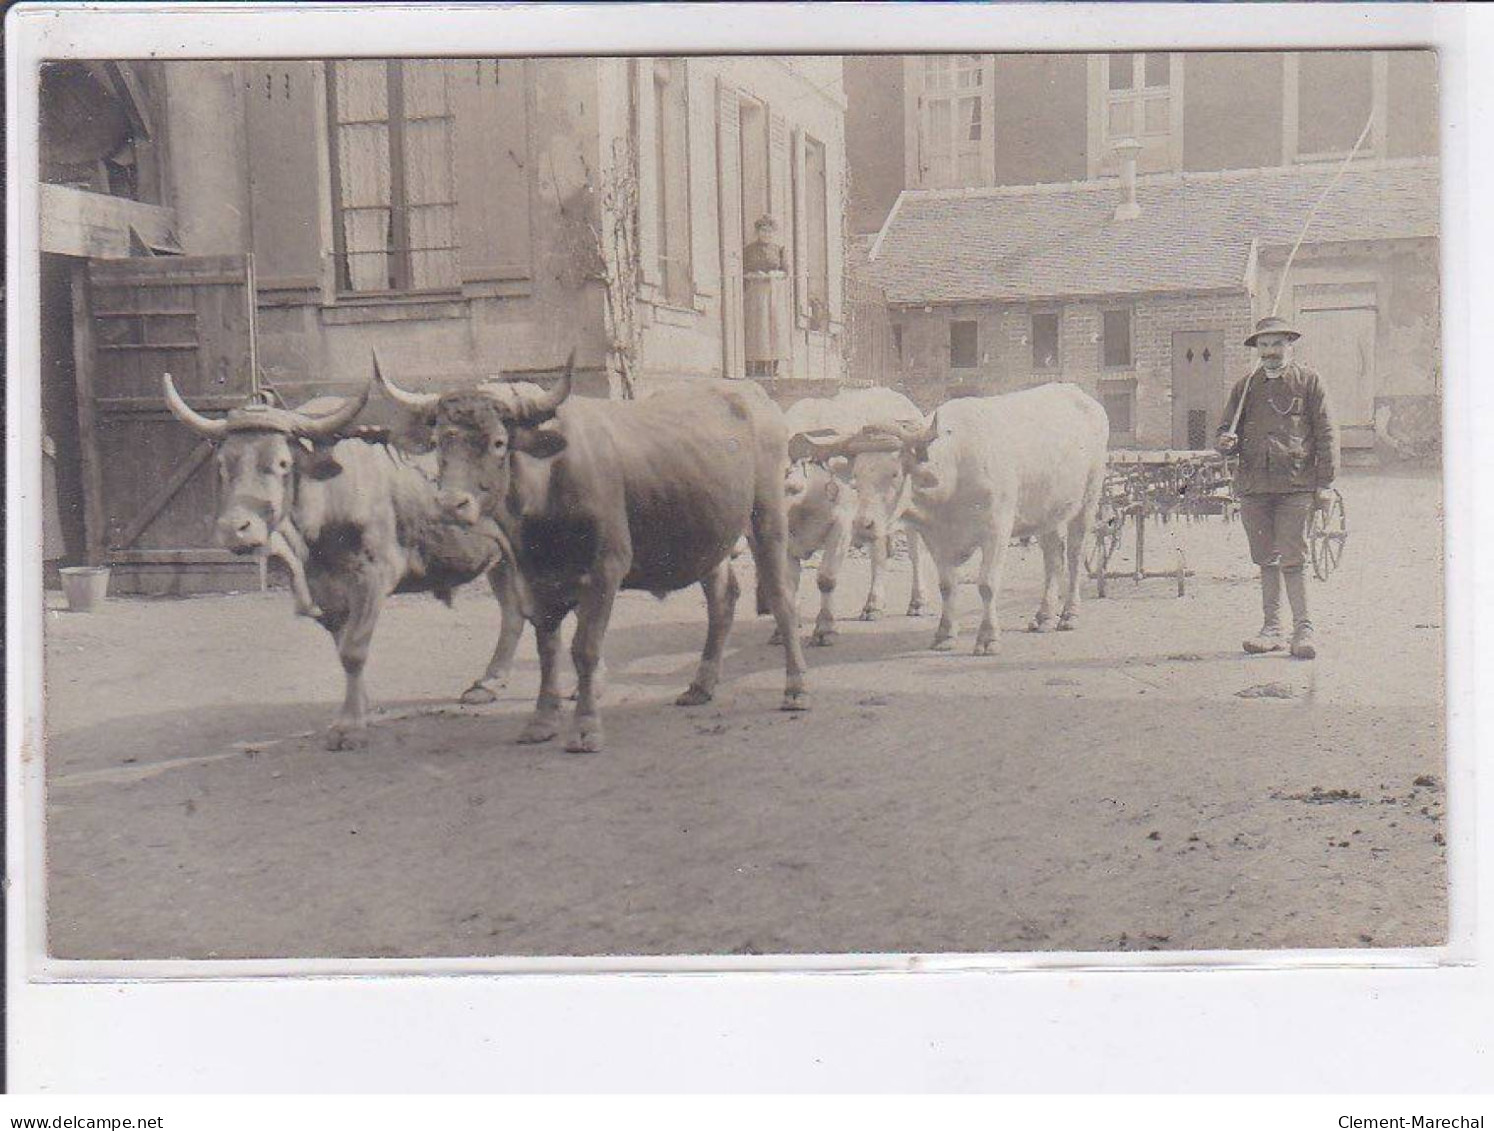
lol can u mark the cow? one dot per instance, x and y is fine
(357, 519)
(824, 513)
(985, 470)
(592, 496)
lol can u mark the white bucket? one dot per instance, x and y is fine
(85, 586)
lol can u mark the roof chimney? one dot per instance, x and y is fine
(1127, 149)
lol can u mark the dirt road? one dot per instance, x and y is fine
(1107, 789)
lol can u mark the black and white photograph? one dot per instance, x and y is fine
(742, 505)
(518, 511)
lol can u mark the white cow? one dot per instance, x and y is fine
(985, 470)
(823, 487)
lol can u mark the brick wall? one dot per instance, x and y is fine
(1005, 362)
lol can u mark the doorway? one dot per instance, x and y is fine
(1200, 387)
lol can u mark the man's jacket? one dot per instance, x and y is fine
(1288, 441)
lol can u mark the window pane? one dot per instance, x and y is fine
(963, 345)
(1158, 66)
(939, 116)
(1156, 116)
(817, 245)
(1336, 91)
(1118, 409)
(897, 342)
(1045, 341)
(1122, 71)
(969, 72)
(970, 119)
(1117, 338)
(1122, 119)
(936, 72)
(672, 155)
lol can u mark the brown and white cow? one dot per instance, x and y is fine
(985, 470)
(594, 496)
(824, 488)
(360, 519)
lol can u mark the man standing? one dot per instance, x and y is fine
(1288, 449)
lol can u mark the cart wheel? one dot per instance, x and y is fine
(1327, 531)
(1107, 536)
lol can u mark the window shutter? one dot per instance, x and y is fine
(282, 104)
(801, 228)
(729, 192)
(490, 104)
(645, 130)
(780, 194)
(835, 228)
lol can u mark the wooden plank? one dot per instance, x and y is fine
(154, 505)
(121, 406)
(78, 223)
(84, 368)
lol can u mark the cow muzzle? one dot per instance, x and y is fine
(242, 532)
(865, 530)
(460, 507)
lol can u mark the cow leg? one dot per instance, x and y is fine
(992, 555)
(915, 599)
(1078, 528)
(874, 597)
(769, 554)
(349, 731)
(831, 559)
(1052, 543)
(286, 544)
(544, 724)
(511, 628)
(721, 592)
(592, 616)
(948, 630)
(794, 570)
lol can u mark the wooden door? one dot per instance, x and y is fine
(151, 496)
(1200, 386)
(1338, 325)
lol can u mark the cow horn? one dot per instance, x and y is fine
(319, 426)
(416, 402)
(205, 426)
(543, 407)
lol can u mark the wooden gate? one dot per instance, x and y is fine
(1338, 324)
(150, 493)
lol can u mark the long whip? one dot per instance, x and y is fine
(1286, 270)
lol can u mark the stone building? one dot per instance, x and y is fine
(266, 225)
(1009, 255)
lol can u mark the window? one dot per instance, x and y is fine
(952, 121)
(672, 178)
(393, 186)
(754, 155)
(1045, 340)
(897, 343)
(1115, 348)
(1119, 399)
(816, 235)
(964, 344)
(1138, 96)
(1335, 96)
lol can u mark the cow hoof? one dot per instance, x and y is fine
(1040, 623)
(943, 644)
(312, 611)
(985, 648)
(537, 731)
(693, 696)
(795, 701)
(776, 639)
(346, 738)
(1067, 623)
(915, 608)
(586, 740)
(870, 613)
(479, 694)
(823, 637)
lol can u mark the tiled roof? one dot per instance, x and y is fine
(1194, 231)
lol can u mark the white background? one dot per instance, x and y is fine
(1276, 1026)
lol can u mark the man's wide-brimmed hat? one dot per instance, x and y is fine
(1273, 325)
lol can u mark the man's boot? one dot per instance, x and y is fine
(1303, 647)
(1269, 638)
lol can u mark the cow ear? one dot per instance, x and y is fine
(315, 462)
(541, 443)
